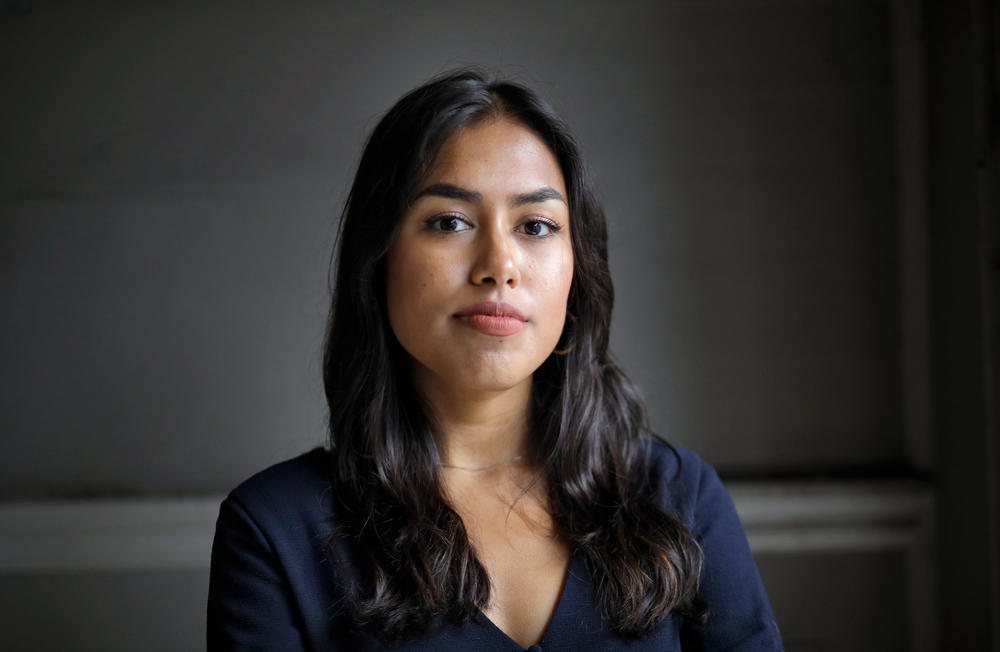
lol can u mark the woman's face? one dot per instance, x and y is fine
(480, 270)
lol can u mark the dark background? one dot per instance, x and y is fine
(802, 198)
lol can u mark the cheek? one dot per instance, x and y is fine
(414, 283)
(566, 279)
(554, 280)
(559, 276)
(402, 285)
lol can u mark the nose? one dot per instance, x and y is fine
(496, 259)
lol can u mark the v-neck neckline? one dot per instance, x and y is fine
(576, 576)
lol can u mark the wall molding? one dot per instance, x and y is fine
(176, 533)
(107, 535)
(814, 517)
(780, 518)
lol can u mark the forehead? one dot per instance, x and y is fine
(496, 155)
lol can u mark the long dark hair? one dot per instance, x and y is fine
(416, 560)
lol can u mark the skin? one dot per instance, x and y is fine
(450, 253)
(490, 223)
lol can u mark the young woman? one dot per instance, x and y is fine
(488, 484)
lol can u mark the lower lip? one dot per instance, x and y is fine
(491, 325)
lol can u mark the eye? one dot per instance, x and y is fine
(539, 228)
(448, 224)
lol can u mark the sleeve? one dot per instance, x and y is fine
(740, 617)
(250, 606)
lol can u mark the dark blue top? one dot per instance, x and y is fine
(271, 587)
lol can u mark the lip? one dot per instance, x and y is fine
(493, 318)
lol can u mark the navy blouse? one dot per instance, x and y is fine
(272, 588)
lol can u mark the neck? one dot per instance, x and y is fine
(478, 428)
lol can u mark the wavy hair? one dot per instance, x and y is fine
(416, 561)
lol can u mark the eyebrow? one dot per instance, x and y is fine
(451, 191)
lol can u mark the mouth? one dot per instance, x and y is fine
(493, 318)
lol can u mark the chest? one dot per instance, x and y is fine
(574, 625)
(526, 560)
(526, 581)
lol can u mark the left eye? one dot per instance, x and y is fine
(537, 228)
(448, 223)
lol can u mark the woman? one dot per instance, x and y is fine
(487, 484)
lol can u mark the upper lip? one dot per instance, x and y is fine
(493, 309)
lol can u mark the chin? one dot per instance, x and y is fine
(497, 372)
(488, 381)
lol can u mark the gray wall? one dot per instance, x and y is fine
(169, 190)
(175, 175)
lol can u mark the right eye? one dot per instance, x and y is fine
(448, 224)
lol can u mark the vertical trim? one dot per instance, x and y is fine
(986, 100)
(915, 302)
(913, 230)
(922, 589)
(960, 411)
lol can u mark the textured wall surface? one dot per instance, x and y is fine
(170, 186)
(173, 176)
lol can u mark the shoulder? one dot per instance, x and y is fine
(288, 497)
(303, 473)
(270, 578)
(682, 481)
(741, 616)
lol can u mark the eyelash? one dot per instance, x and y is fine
(434, 223)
